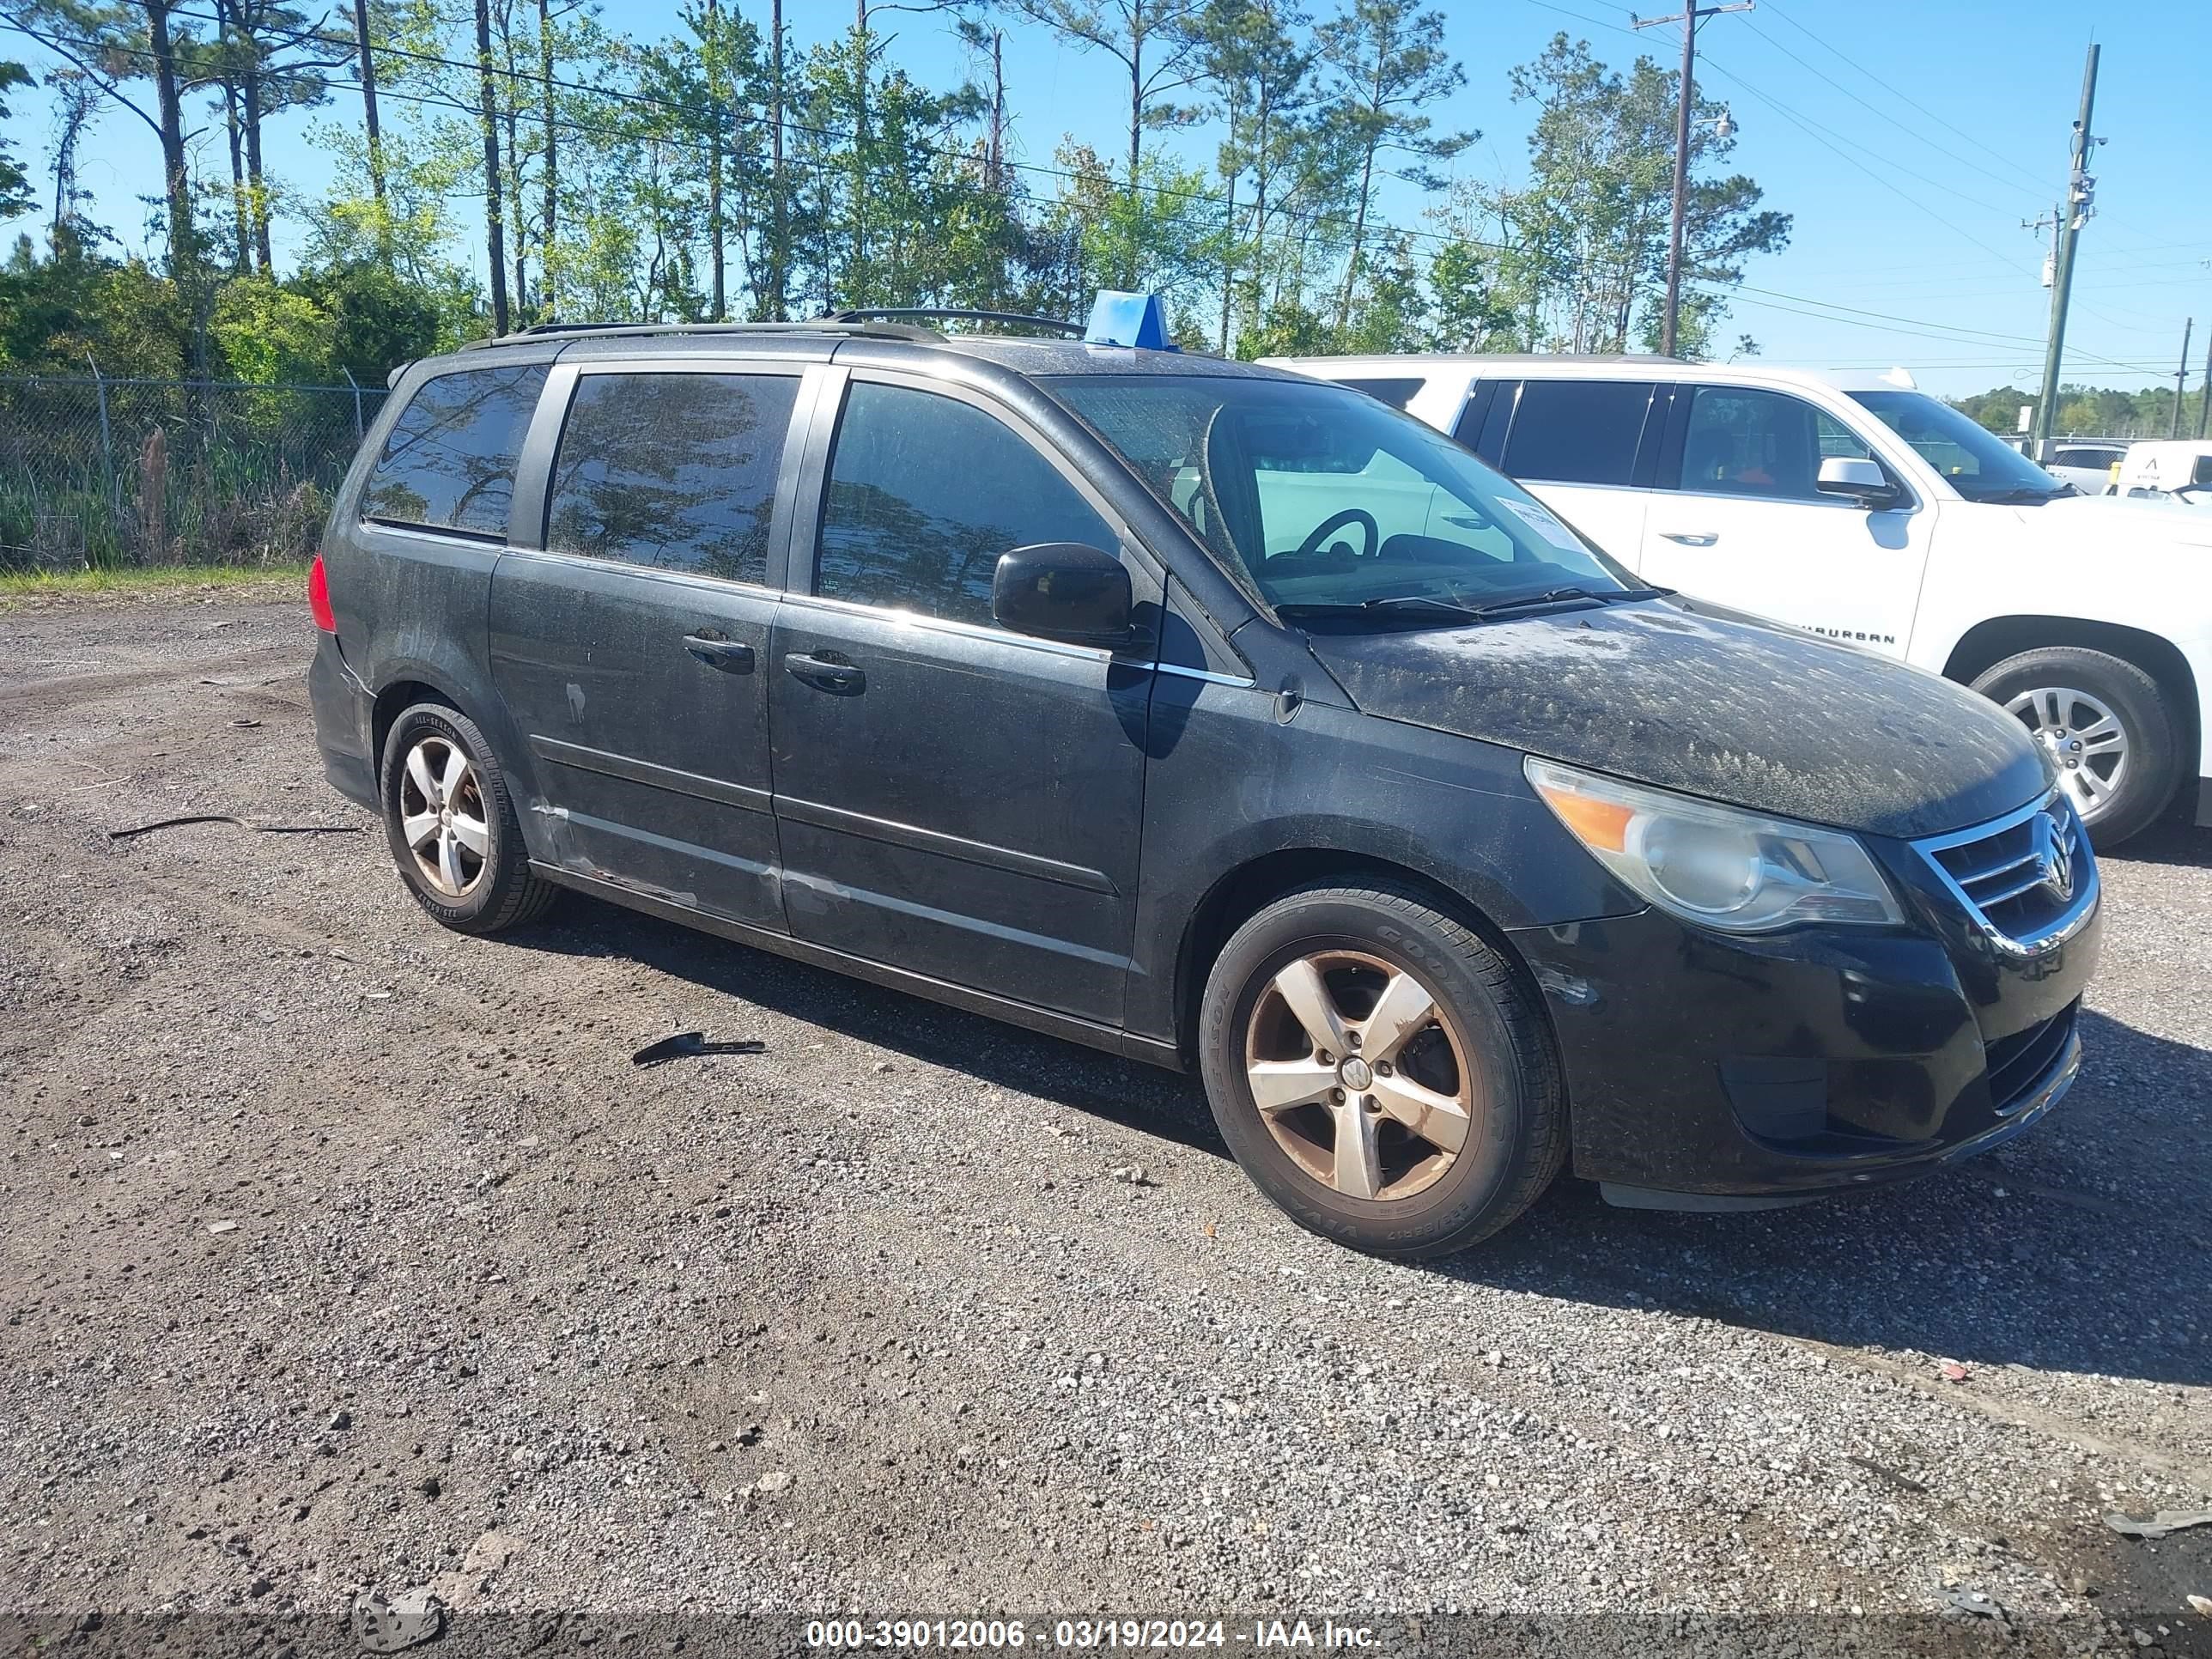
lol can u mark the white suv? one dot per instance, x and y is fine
(1864, 509)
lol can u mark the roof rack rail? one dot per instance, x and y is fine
(619, 330)
(953, 313)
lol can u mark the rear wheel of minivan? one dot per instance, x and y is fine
(1379, 1071)
(452, 826)
(2106, 727)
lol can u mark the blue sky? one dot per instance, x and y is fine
(1908, 185)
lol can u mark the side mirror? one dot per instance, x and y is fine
(1862, 480)
(1063, 590)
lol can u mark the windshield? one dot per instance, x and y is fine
(1324, 498)
(1973, 460)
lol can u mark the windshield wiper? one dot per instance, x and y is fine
(1525, 601)
(2027, 496)
(1295, 608)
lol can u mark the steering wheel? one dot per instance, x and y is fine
(1335, 521)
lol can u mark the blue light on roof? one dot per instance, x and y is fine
(1128, 319)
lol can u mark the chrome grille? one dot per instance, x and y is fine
(2024, 880)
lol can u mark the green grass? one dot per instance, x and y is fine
(149, 580)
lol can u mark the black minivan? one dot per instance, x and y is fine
(1211, 715)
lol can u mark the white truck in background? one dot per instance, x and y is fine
(1862, 508)
(2166, 469)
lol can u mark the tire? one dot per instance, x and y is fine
(1482, 1032)
(467, 889)
(2061, 691)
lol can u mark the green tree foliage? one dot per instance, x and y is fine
(1159, 45)
(1390, 65)
(724, 170)
(15, 183)
(1585, 240)
(2090, 411)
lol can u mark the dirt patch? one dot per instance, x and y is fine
(341, 1251)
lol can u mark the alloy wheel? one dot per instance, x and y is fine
(442, 816)
(1360, 1076)
(2084, 738)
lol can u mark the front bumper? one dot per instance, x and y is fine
(1701, 1067)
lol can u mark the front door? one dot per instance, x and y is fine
(633, 650)
(1736, 519)
(953, 798)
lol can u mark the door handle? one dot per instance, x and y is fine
(731, 656)
(825, 673)
(1691, 537)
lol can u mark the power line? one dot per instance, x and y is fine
(1918, 327)
(1832, 140)
(1811, 131)
(1911, 325)
(1887, 85)
(1813, 69)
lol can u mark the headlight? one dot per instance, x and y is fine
(1738, 872)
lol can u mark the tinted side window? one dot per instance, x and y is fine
(2085, 458)
(676, 471)
(925, 494)
(1578, 431)
(1769, 444)
(449, 461)
(1396, 393)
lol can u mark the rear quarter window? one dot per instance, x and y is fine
(1578, 431)
(448, 462)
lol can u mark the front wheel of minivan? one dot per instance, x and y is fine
(1379, 1073)
(2106, 727)
(452, 825)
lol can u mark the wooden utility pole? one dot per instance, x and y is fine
(370, 125)
(2080, 189)
(1689, 17)
(779, 253)
(549, 268)
(2181, 375)
(997, 166)
(184, 250)
(494, 220)
(2204, 388)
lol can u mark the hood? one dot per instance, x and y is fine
(1712, 703)
(2176, 524)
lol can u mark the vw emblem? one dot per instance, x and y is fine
(2052, 861)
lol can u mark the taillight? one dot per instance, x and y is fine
(319, 597)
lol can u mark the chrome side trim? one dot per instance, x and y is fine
(480, 542)
(1003, 637)
(1242, 682)
(2065, 926)
(947, 625)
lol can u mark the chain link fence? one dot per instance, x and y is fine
(96, 472)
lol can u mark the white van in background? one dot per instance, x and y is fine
(1865, 509)
(2166, 469)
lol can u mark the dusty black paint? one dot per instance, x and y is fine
(1715, 704)
(1058, 835)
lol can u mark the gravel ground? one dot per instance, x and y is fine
(340, 1250)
